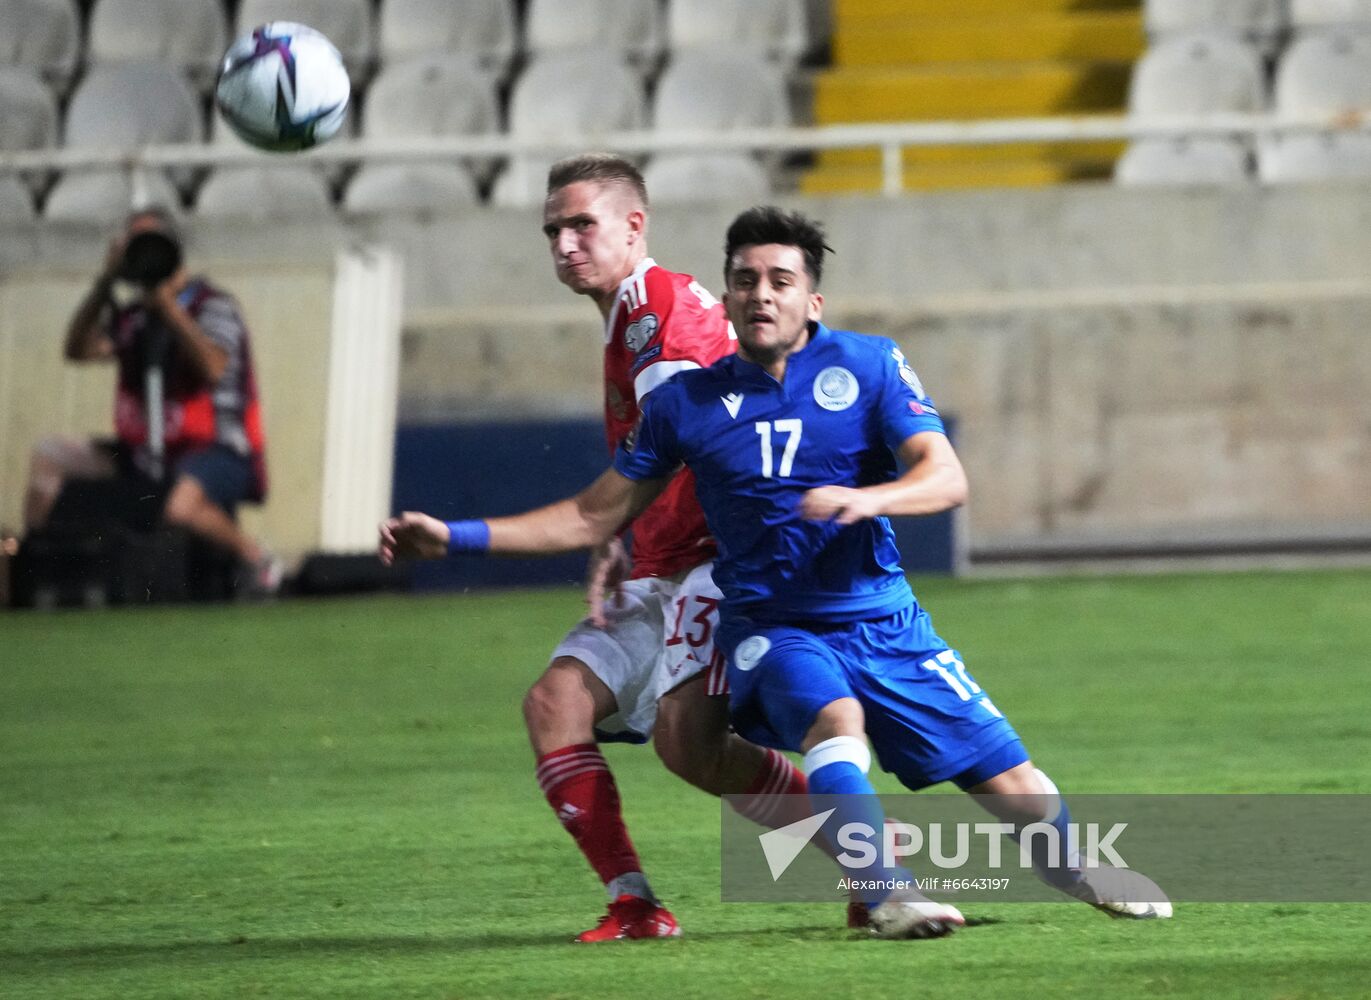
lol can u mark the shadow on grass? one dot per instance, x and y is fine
(246, 948)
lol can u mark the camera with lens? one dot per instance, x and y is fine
(150, 258)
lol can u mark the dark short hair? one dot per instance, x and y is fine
(769, 224)
(601, 168)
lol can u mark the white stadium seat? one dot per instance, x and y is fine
(576, 94)
(720, 90)
(522, 183)
(1258, 19)
(1330, 14)
(263, 193)
(1304, 157)
(410, 187)
(347, 23)
(1183, 162)
(106, 196)
(434, 95)
(1325, 74)
(189, 34)
(42, 34)
(777, 28)
(482, 29)
(1198, 74)
(16, 204)
(28, 110)
(127, 105)
(124, 106)
(685, 177)
(570, 96)
(620, 28)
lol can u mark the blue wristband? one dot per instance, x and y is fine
(468, 537)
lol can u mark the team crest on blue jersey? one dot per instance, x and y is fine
(638, 334)
(835, 388)
(750, 652)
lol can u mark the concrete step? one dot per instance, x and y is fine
(957, 176)
(1052, 152)
(968, 91)
(891, 40)
(845, 9)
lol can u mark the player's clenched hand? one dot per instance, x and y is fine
(412, 536)
(839, 503)
(608, 570)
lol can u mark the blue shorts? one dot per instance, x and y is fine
(927, 718)
(224, 475)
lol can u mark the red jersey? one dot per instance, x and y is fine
(661, 323)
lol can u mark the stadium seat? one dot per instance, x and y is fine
(1304, 157)
(623, 28)
(44, 35)
(720, 90)
(436, 95)
(106, 196)
(123, 106)
(1183, 162)
(483, 29)
(778, 28)
(28, 110)
(1261, 20)
(410, 187)
(1325, 74)
(1330, 14)
(189, 34)
(1198, 74)
(684, 177)
(263, 193)
(347, 23)
(522, 183)
(16, 204)
(570, 97)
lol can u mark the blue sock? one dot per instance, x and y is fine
(1054, 863)
(843, 786)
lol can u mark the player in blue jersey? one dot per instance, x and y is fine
(794, 443)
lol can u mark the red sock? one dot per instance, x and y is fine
(785, 789)
(581, 791)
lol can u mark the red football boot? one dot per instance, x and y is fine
(633, 917)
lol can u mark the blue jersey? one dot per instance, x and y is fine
(757, 446)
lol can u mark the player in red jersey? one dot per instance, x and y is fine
(642, 665)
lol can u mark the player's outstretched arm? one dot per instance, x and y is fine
(933, 481)
(590, 517)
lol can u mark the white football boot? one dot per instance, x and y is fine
(906, 914)
(1121, 893)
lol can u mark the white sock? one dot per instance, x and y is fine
(631, 884)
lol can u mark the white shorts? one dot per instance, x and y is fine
(657, 637)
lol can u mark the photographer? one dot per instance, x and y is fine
(206, 453)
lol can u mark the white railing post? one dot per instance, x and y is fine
(892, 169)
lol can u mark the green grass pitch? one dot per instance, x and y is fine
(334, 799)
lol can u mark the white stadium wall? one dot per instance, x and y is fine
(1154, 370)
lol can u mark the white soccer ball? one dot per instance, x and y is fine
(283, 87)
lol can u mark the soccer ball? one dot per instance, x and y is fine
(283, 87)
